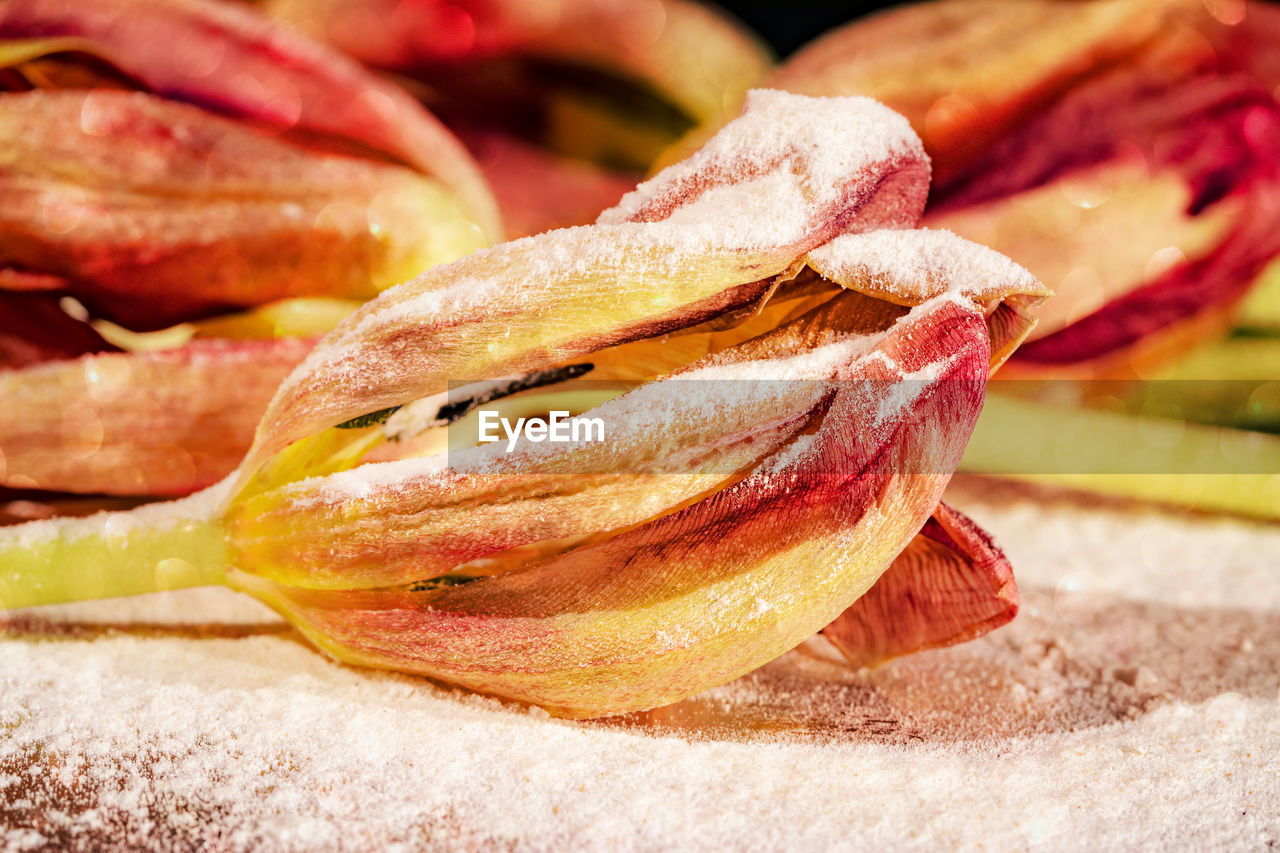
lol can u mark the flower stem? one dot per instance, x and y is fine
(156, 547)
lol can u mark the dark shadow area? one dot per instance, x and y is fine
(788, 26)
(33, 626)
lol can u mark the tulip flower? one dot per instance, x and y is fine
(239, 64)
(564, 105)
(124, 195)
(127, 196)
(1106, 145)
(809, 371)
(1125, 152)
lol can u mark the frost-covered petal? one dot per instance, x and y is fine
(950, 585)
(700, 238)
(714, 590)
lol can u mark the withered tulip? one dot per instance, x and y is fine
(810, 373)
(154, 212)
(1126, 152)
(128, 204)
(565, 105)
(1120, 149)
(234, 61)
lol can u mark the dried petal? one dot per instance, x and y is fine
(688, 245)
(539, 191)
(1108, 146)
(233, 60)
(950, 585)
(642, 618)
(551, 67)
(151, 211)
(125, 194)
(967, 72)
(138, 423)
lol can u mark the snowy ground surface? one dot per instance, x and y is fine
(1135, 700)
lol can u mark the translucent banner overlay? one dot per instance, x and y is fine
(555, 423)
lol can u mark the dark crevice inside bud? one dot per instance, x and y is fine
(65, 70)
(458, 408)
(455, 409)
(432, 584)
(370, 419)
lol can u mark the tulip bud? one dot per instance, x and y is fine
(1109, 146)
(123, 195)
(236, 62)
(123, 199)
(813, 371)
(564, 105)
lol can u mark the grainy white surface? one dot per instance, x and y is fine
(1136, 700)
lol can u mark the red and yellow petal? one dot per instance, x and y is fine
(707, 593)
(162, 423)
(235, 61)
(950, 585)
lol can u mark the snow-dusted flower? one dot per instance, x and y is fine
(810, 372)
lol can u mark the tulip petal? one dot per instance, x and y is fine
(412, 519)
(124, 194)
(692, 57)
(1186, 303)
(538, 191)
(967, 72)
(235, 61)
(724, 576)
(1191, 184)
(138, 423)
(396, 522)
(950, 585)
(642, 618)
(702, 237)
(1052, 125)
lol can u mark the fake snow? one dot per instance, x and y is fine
(1135, 700)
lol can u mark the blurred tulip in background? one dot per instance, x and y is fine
(565, 105)
(189, 194)
(1126, 151)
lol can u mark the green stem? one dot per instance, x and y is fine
(152, 548)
